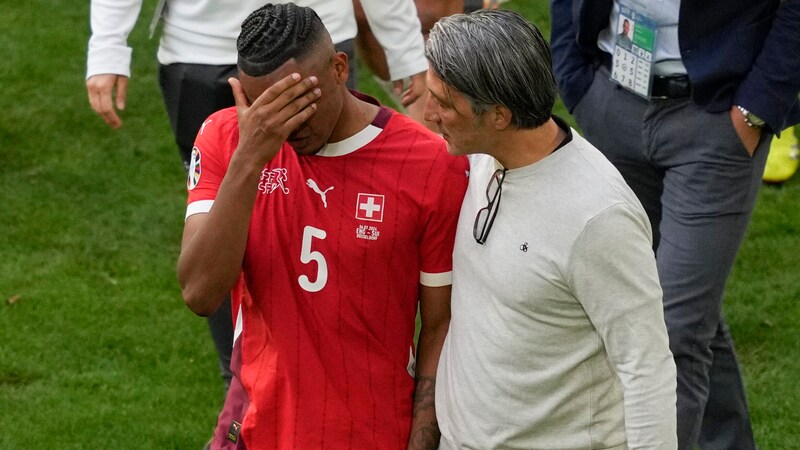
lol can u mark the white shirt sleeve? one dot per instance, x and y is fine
(613, 274)
(111, 22)
(397, 28)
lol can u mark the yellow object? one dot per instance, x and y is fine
(782, 160)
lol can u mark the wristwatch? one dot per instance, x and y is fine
(751, 119)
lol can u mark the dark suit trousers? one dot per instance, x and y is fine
(698, 185)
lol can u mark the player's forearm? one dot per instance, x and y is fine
(424, 427)
(211, 258)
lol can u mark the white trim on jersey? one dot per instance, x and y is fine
(436, 279)
(352, 143)
(198, 207)
(237, 331)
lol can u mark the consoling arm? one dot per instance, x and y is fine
(435, 315)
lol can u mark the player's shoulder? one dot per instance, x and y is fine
(222, 122)
(403, 129)
(401, 123)
(428, 148)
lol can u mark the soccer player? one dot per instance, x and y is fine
(341, 215)
(197, 54)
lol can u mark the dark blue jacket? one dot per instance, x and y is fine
(736, 52)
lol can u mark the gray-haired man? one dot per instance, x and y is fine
(557, 337)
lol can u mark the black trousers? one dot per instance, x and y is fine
(191, 93)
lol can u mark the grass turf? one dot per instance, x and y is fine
(96, 348)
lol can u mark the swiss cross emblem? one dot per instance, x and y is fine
(370, 207)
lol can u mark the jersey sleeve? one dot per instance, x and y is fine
(210, 156)
(440, 231)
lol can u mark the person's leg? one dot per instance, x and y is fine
(219, 325)
(723, 426)
(710, 187)
(229, 422)
(707, 184)
(191, 93)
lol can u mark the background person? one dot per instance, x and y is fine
(694, 153)
(341, 215)
(557, 337)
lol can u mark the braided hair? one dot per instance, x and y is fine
(273, 34)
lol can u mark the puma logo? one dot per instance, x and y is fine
(313, 185)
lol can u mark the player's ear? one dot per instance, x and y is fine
(341, 67)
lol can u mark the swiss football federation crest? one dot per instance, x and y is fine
(370, 207)
(272, 180)
(195, 169)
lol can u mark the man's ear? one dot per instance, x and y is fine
(500, 117)
(341, 67)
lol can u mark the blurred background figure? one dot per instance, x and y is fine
(782, 160)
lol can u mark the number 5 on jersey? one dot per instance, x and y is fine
(307, 255)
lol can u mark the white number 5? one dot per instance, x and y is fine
(306, 256)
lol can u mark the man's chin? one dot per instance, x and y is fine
(304, 147)
(455, 151)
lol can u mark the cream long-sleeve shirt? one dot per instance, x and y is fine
(205, 31)
(557, 337)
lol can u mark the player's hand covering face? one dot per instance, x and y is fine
(277, 111)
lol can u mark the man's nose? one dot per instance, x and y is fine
(428, 112)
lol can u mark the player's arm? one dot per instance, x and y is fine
(214, 243)
(435, 318)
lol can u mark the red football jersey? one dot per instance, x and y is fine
(338, 245)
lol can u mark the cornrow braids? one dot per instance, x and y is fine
(275, 33)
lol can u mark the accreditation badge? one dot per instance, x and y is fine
(634, 45)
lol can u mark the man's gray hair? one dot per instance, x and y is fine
(495, 57)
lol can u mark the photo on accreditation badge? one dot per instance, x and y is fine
(625, 32)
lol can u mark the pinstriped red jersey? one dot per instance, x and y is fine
(338, 245)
